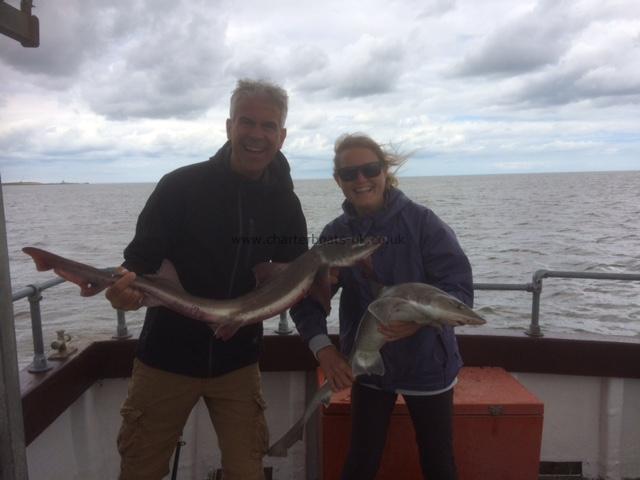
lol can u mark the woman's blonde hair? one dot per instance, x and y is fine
(391, 160)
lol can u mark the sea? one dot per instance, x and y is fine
(509, 225)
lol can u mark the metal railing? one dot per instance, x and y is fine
(535, 287)
(34, 294)
(40, 364)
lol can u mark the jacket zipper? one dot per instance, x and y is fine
(233, 272)
(251, 234)
(239, 249)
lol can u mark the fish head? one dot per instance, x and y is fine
(425, 304)
(452, 311)
(344, 252)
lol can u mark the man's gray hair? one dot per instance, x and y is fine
(249, 88)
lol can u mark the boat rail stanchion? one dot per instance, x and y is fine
(39, 363)
(13, 457)
(284, 327)
(536, 290)
(122, 332)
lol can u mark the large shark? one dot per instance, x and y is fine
(279, 285)
(407, 302)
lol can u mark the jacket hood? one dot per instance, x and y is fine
(277, 175)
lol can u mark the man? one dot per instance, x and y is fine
(208, 219)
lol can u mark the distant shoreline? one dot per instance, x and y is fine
(329, 177)
(27, 184)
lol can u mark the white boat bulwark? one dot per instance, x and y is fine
(589, 384)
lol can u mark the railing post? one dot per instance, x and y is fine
(13, 457)
(122, 332)
(284, 328)
(534, 327)
(40, 363)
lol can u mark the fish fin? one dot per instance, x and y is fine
(382, 307)
(383, 289)
(40, 257)
(293, 435)
(47, 261)
(388, 309)
(322, 396)
(87, 289)
(227, 330)
(167, 276)
(326, 398)
(367, 364)
(320, 289)
(265, 271)
(151, 301)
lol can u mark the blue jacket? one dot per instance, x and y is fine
(419, 247)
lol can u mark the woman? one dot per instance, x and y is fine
(421, 363)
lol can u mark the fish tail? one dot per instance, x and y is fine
(293, 435)
(90, 280)
(41, 258)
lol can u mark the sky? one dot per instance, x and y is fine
(128, 90)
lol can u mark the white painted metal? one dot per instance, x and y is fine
(13, 464)
(591, 420)
(631, 430)
(81, 443)
(611, 428)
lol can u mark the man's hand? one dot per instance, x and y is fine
(334, 273)
(121, 295)
(335, 367)
(397, 330)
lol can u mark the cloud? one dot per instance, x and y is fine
(369, 66)
(65, 43)
(132, 89)
(170, 68)
(525, 43)
(129, 60)
(559, 53)
(435, 7)
(603, 65)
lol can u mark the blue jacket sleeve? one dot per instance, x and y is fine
(308, 315)
(445, 263)
(310, 319)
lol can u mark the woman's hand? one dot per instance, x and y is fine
(321, 291)
(397, 330)
(121, 295)
(335, 367)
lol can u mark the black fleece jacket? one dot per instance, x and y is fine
(214, 226)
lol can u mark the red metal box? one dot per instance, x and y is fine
(497, 431)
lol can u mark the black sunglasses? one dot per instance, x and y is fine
(369, 170)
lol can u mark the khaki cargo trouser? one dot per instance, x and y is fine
(158, 405)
